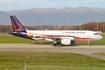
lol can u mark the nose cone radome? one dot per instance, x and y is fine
(99, 37)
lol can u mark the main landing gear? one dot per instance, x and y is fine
(57, 42)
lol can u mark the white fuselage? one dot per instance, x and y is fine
(84, 34)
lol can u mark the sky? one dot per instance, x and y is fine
(8, 5)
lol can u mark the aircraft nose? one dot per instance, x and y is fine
(100, 37)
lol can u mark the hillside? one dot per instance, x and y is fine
(50, 16)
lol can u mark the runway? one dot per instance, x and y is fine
(50, 48)
(80, 49)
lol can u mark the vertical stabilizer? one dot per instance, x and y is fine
(16, 25)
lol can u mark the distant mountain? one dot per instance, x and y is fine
(50, 16)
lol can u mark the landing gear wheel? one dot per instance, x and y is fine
(54, 44)
(57, 42)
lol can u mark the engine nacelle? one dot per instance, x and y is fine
(67, 41)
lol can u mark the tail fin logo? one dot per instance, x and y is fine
(13, 25)
(17, 26)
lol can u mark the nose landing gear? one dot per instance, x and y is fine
(88, 43)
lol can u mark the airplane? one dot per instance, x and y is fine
(58, 37)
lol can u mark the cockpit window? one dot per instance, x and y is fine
(96, 34)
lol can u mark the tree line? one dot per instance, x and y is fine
(94, 26)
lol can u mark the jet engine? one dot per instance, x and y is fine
(64, 41)
(67, 41)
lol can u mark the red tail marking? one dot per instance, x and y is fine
(14, 27)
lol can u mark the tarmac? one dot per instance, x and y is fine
(80, 49)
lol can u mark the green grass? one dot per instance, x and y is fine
(64, 68)
(15, 39)
(48, 61)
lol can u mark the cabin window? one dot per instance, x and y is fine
(95, 33)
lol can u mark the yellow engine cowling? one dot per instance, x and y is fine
(30, 34)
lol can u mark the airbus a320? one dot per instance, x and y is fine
(59, 37)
